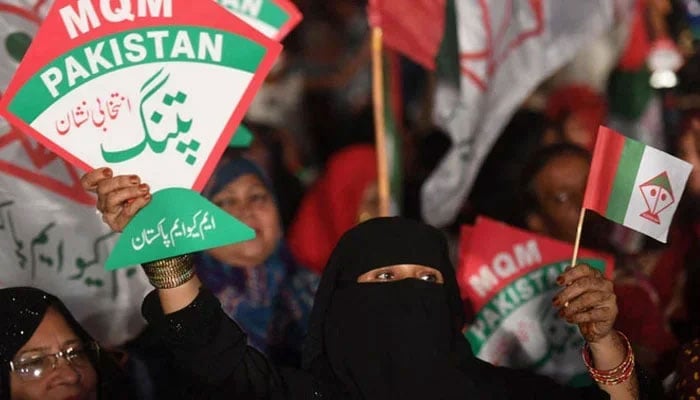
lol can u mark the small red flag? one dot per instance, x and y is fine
(414, 28)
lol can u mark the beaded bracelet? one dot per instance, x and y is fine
(616, 375)
(170, 272)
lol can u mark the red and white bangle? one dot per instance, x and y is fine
(613, 376)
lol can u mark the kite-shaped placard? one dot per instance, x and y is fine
(274, 18)
(149, 87)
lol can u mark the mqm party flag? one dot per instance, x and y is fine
(635, 185)
(494, 54)
(509, 277)
(273, 18)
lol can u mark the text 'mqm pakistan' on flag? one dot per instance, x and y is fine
(635, 185)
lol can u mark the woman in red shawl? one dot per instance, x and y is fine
(345, 195)
(577, 111)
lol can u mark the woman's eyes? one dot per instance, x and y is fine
(258, 198)
(562, 197)
(254, 199)
(385, 276)
(76, 353)
(224, 203)
(31, 361)
(388, 276)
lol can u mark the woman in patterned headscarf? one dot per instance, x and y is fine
(258, 281)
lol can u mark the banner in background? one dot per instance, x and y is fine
(50, 236)
(494, 54)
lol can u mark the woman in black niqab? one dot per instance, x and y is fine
(402, 339)
(391, 338)
(397, 339)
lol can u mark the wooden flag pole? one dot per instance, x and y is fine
(578, 236)
(379, 122)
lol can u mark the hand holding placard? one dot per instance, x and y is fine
(176, 219)
(144, 87)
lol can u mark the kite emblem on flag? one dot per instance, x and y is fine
(658, 196)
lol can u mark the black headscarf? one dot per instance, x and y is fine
(389, 340)
(21, 311)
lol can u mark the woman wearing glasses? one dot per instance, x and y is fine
(45, 354)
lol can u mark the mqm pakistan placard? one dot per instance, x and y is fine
(151, 87)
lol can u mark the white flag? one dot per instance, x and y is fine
(635, 185)
(506, 48)
(50, 236)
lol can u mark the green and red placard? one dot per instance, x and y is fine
(274, 18)
(149, 87)
(509, 277)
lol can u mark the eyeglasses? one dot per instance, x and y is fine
(34, 365)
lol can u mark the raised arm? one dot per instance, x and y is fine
(118, 200)
(587, 299)
(209, 348)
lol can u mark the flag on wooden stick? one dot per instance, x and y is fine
(386, 97)
(635, 185)
(393, 129)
